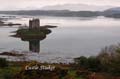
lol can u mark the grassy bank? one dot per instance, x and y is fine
(16, 70)
(106, 65)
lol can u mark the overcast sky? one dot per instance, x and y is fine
(32, 4)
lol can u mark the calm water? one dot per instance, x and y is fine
(74, 36)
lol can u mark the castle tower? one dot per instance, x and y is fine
(34, 24)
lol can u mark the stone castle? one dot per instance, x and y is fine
(34, 24)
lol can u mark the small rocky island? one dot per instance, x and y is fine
(34, 31)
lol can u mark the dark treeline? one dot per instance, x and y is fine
(64, 13)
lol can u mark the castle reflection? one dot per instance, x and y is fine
(34, 45)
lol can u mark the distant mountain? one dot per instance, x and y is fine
(76, 7)
(112, 12)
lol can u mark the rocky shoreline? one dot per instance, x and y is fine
(32, 56)
(8, 24)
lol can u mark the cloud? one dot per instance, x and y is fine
(29, 4)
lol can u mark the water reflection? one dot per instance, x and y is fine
(34, 45)
(34, 40)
